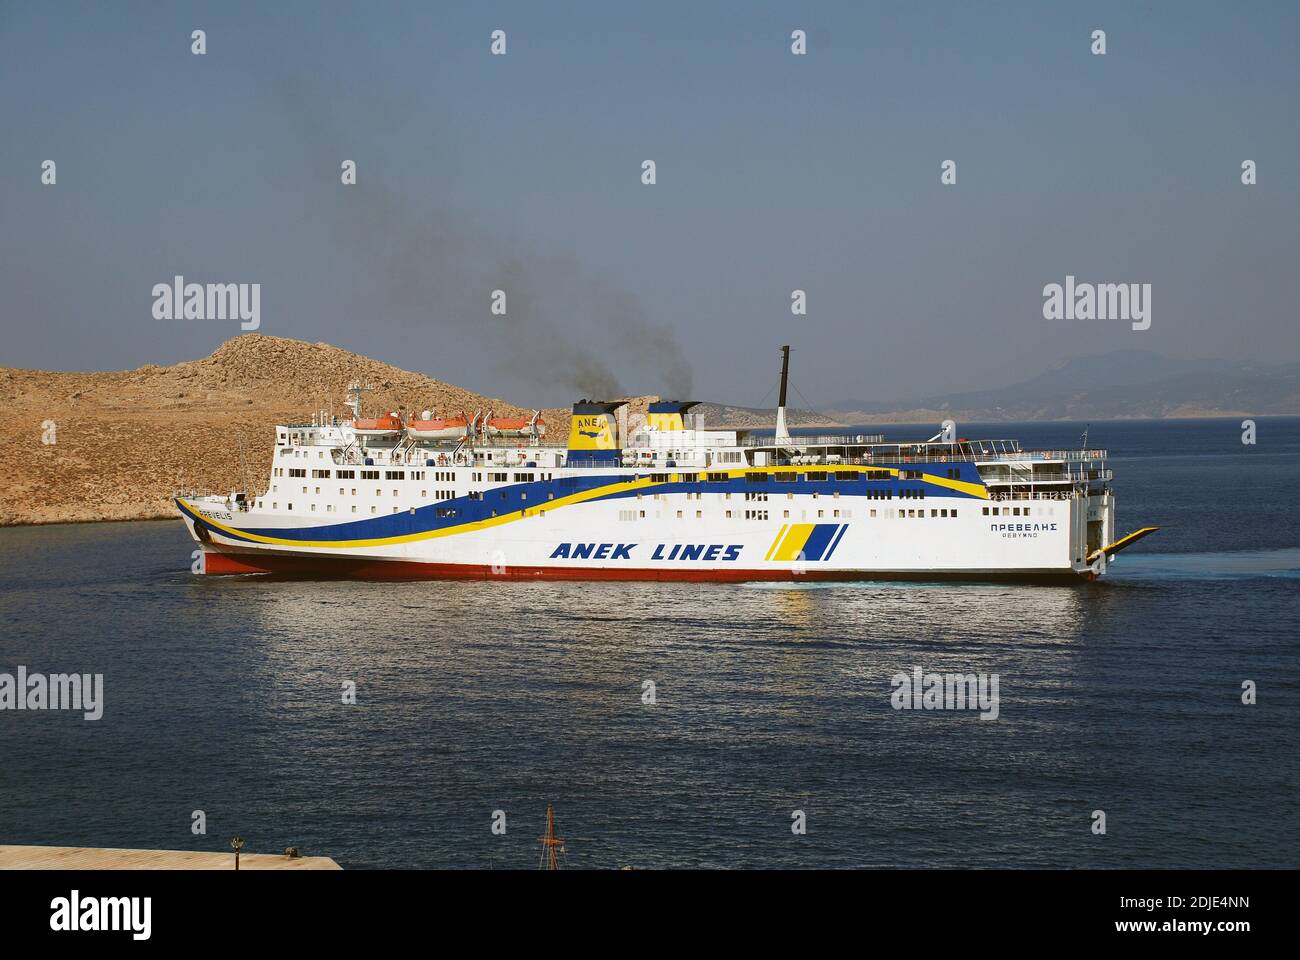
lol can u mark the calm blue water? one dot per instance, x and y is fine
(1124, 696)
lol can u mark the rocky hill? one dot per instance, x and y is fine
(125, 441)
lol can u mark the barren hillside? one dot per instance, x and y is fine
(125, 441)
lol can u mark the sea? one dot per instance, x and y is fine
(1146, 720)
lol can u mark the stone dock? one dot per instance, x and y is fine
(107, 858)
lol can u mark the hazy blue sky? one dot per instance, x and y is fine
(775, 172)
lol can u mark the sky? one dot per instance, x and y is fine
(774, 173)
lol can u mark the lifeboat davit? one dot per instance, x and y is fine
(437, 428)
(515, 426)
(389, 426)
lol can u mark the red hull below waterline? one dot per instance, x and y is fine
(324, 568)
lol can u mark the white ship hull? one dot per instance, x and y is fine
(670, 536)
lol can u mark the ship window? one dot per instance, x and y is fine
(642, 514)
(986, 511)
(297, 472)
(291, 506)
(369, 474)
(679, 514)
(321, 474)
(953, 514)
(785, 514)
(274, 505)
(394, 509)
(943, 513)
(820, 514)
(354, 508)
(699, 514)
(835, 513)
(346, 474)
(756, 477)
(846, 474)
(424, 494)
(1026, 511)
(716, 477)
(304, 489)
(394, 474)
(728, 514)
(873, 514)
(318, 491)
(374, 509)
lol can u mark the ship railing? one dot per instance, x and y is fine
(1066, 476)
(1039, 495)
(804, 440)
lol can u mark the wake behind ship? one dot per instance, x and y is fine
(664, 499)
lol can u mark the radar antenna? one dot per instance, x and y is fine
(355, 389)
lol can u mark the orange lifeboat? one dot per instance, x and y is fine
(516, 426)
(389, 426)
(429, 427)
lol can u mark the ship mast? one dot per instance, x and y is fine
(355, 389)
(551, 844)
(782, 433)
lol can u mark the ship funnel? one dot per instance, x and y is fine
(668, 414)
(593, 432)
(782, 433)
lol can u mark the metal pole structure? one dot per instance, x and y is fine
(782, 433)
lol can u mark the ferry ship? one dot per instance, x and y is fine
(655, 497)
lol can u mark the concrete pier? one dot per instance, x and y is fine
(107, 858)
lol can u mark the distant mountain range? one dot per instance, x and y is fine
(1125, 384)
